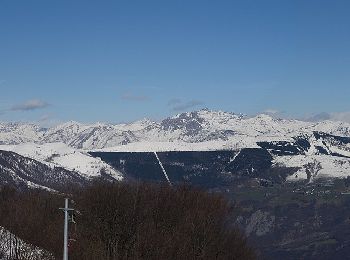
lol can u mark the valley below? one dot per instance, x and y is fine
(282, 219)
(289, 180)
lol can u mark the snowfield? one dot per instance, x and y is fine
(59, 154)
(67, 145)
(319, 166)
(193, 127)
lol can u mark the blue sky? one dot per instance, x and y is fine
(119, 61)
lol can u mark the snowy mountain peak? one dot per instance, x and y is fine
(265, 117)
(202, 130)
(199, 126)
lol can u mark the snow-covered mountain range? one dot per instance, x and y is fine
(204, 128)
(292, 143)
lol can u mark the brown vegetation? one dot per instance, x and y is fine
(128, 221)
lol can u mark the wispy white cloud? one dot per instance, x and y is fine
(341, 116)
(133, 97)
(319, 117)
(45, 118)
(29, 105)
(48, 120)
(332, 116)
(174, 101)
(271, 111)
(180, 105)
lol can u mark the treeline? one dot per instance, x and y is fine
(127, 221)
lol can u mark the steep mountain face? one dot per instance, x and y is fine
(23, 172)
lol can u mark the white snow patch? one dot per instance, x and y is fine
(60, 154)
(331, 166)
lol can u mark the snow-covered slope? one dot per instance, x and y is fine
(16, 133)
(192, 127)
(67, 145)
(12, 247)
(315, 166)
(24, 172)
(61, 155)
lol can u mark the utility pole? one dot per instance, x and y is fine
(65, 242)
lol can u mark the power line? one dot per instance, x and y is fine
(161, 166)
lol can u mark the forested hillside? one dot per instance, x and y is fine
(126, 221)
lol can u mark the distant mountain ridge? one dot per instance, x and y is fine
(191, 127)
(293, 144)
(274, 167)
